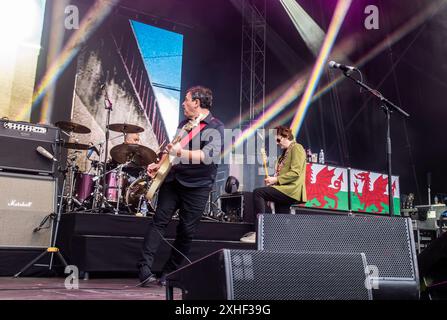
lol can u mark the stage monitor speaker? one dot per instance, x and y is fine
(387, 242)
(25, 201)
(265, 275)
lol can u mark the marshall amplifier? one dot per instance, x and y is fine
(25, 202)
(19, 142)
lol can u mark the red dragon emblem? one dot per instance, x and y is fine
(320, 190)
(376, 196)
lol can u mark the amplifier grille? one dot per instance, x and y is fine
(384, 240)
(267, 275)
(24, 202)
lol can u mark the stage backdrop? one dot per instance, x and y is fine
(139, 67)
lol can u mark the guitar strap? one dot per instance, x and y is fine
(185, 140)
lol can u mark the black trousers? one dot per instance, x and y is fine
(173, 196)
(282, 201)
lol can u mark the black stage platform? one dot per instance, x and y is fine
(112, 243)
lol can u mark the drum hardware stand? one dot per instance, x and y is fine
(52, 249)
(99, 199)
(109, 107)
(99, 170)
(73, 169)
(98, 196)
(120, 180)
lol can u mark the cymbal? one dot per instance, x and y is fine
(125, 128)
(76, 146)
(72, 127)
(140, 155)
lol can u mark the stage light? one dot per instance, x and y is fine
(308, 29)
(19, 20)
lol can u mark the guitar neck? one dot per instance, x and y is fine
(264, 159)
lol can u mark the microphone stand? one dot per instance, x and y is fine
(108, 106)
(388, 107)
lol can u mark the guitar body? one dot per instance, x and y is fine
(166, 159)
(157, 181)
(264, 160)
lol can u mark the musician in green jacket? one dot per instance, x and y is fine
(288, 185)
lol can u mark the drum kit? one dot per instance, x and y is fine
(117, 186)
(120, 189)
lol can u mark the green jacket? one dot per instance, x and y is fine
(292, 176)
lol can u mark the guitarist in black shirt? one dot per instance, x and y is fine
(191, 162)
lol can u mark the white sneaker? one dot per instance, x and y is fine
(249, 237)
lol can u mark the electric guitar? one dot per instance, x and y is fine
(264, 159)
(166, 160)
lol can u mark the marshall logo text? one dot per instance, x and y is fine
(15, 203)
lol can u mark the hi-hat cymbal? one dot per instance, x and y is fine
(76, 146)
(72, 127)
(140, 155)
(125, 128)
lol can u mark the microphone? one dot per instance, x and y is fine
(45, 153)
(91, 150)
(342, 67)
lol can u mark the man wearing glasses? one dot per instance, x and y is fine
(288, 185)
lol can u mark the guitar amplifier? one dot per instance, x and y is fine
(19, 141)
(25, 202)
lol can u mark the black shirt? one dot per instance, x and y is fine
(210, 141)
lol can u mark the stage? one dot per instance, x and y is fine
(93, 289)
(102, 245)
(219, 111)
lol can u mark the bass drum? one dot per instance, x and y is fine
(136, 197)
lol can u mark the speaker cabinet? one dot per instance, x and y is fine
(25, 201)
(266, 275)
(387, 242)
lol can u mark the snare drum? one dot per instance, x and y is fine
(84, 186)
(116, 186)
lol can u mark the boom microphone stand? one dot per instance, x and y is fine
(108, 106)
(388, 107)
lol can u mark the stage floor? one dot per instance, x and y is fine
(93, 289)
